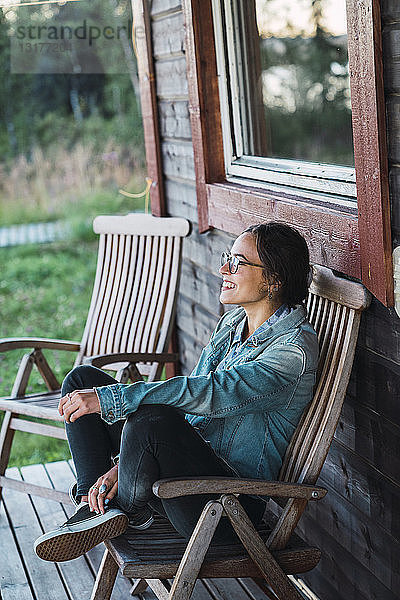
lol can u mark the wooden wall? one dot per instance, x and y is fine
(358, 524)
(198, 305)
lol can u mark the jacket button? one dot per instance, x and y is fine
(110, 415)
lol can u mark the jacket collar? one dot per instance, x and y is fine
(291, 321)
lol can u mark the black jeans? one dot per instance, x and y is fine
(155, 442)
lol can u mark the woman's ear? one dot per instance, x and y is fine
(271, 287)
(276, 286)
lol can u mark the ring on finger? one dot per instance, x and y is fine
(102, 488)
(94, 487)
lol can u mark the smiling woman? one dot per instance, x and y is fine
(233, 416)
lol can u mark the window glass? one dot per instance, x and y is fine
(288, 69)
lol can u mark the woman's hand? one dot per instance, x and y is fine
(95, 498)
(78, 403)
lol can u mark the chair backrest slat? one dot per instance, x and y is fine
(155, 293)
(146, 287)
(116, 283)
(135, 289)
(125, 273)
(162, 328)
(105, 306)
(134, 294)
(334, 306)
(94, 327)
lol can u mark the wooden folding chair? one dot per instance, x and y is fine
(271, 553)
(130, 317)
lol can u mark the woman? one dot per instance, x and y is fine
(233, 416)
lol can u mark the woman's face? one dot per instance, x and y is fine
(247, 286)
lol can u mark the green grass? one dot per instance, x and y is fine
(45, 291)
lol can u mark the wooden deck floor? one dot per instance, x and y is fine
(23, 576)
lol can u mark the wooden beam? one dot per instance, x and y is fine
(38, 428)
(332, 236)
(204, 106)
(148, 96)
(34, 490)
(370, 146)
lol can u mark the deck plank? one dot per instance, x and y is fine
(13, 580)
(72, 580)
(27, 528)
(76, 574)
(225, 589)
(252, 589)
(62, 476)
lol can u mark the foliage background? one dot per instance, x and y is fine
(68, 143)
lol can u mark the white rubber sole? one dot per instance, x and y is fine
(69, 542)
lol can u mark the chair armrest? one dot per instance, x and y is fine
(131, 357)
(172, 488)
(7, 344)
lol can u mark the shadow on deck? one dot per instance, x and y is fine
(24, 576)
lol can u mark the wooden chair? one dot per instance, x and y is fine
(159, 554)
(130, 316)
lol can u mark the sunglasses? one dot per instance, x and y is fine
(234, 262)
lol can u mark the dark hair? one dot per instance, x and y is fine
(284, 253)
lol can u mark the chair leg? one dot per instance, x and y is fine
(6, 439)
(258, 551)
(195, 552)
(139, 586)
(106, 575)
(263, 585)
(160, 587)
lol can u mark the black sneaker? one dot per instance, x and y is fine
(80, 533)
(141, 519)
(72, 493)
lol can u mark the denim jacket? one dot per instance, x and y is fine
(249, 411)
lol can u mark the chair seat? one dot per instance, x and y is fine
(155, 553)
(41, 405)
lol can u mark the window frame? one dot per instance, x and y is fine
(329, 178)
(353, 240)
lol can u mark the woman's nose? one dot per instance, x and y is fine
(223, 268)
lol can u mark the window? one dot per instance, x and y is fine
(285, 94)
(245, 173)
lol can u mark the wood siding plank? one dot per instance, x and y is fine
(178, 159)
(171, 78)
(363, 486)
(174, 119)
(347, 576)
(168, 35)
(164, 6)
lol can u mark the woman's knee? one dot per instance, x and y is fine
(78, 379)
(84, 377)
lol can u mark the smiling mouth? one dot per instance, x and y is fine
(228, 285)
